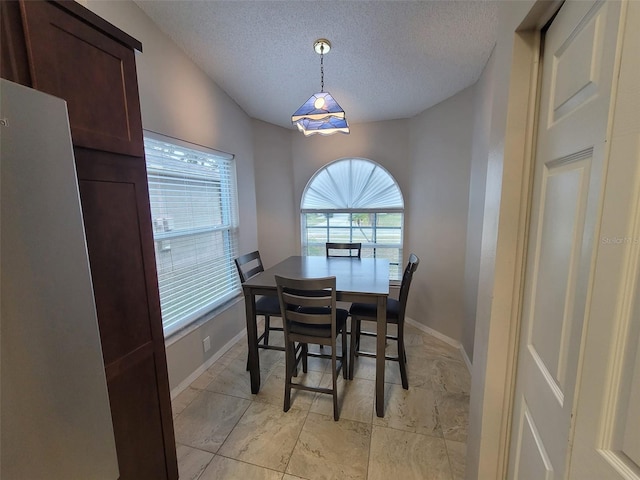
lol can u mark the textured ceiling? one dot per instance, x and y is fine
(389, 59)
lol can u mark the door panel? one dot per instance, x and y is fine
(631, 418)
(565, 184)
(115, 205)
(118, 265)
(73, 60)
(536, 464)
(577, 71)
(137, 420)
(576, 67)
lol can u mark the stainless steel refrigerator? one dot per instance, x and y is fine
(55, 419)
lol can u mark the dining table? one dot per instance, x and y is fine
(363, 280)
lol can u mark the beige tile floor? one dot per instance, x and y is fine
(225, 432)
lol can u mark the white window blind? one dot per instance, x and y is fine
(354, 200)
(193, 198)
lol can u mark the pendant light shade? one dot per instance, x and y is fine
(328, 126)
(321, 114)
(319, 106)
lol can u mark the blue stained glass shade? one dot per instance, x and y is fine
(318, 107)
(327, 126)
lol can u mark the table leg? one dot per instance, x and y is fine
(381, 341)
(252, 341)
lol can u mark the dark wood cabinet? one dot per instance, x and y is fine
(63, 49)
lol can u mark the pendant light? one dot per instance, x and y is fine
(321, 114)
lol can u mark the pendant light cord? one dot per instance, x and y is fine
(321, 68)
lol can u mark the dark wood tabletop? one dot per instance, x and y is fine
(354, 277)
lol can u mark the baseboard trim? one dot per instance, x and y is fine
(441, 336)
(465, 357)
(431, 331)
(182, 386)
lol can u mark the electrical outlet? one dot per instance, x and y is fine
(206, 343)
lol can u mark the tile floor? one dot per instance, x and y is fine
(225, 432)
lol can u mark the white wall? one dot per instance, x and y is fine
(438, 196)
(277, 209)
(478, 176)
(177, 99)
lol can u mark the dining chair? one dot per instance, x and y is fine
(249, 265)
(352, 249)
(310, 316)
(343, 249)
(395, 314)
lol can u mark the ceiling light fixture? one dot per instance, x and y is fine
(321, 113)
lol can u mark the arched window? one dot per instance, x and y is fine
(354, 200)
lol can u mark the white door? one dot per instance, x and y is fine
(606, 442)
(577, 72)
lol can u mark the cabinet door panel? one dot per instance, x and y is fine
(93, 73)
(137, 423)
(117, 265)
(115, 205)
(14, 65)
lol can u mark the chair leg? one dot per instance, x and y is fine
(402, 357)
(267, 326)
(266, 320)
(345, 362)
(290, 362)
(334, 379)
(305, 351)
(293, 360)
(355, 332)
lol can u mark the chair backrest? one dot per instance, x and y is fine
(407, 276)
(249, 265)
(309, 301)
(343, 249)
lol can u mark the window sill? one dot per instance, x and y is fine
(188, 329)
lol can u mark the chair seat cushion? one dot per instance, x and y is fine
(268, 305)
(370, 310)
(319, 330)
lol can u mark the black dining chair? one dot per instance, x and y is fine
(343, 249)
(395, 314)
(352, 249)
(309, 315)
(249, 265)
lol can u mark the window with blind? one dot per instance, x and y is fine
(192, 191)
(354, 200)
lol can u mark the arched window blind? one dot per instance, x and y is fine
(354, 200)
